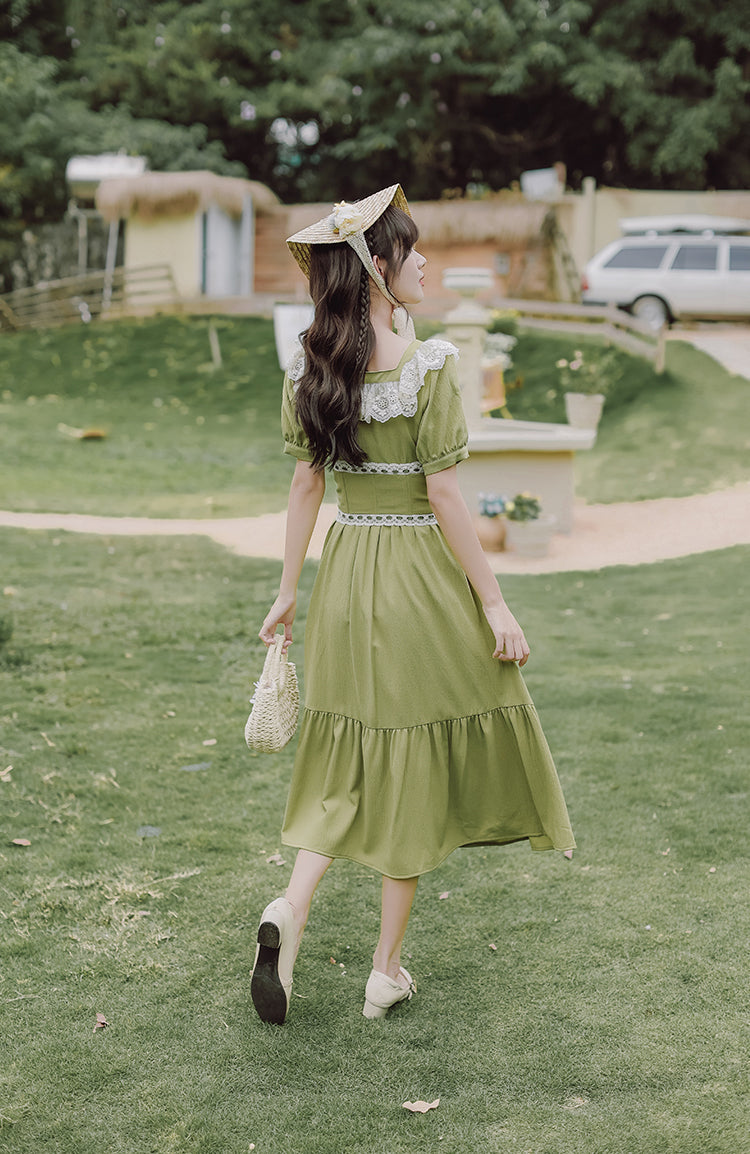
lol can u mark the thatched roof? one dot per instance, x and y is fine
(159, 194)
(505, 220)
(496, 220)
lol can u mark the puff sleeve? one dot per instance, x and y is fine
(295, 441)
(442, 438)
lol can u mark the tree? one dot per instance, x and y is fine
(334, 97)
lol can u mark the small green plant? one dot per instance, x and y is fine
(523, 507)
(504, 321)
(599, 374)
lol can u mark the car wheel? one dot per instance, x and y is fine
(653, 311)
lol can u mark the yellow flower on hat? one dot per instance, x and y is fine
(346, 219)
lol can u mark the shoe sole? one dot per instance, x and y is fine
(266, 990)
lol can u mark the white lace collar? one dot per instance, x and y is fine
(395, 397)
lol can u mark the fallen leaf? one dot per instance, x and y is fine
(332, 961)
(276, 859)
(712, 870)
(5, 775)
(51, 744)
(444, 895)
(210, 741)
(493, 946)
(568, 853)
(21, 841)
(575, 1103)
(421, 1107)
(101, 1022)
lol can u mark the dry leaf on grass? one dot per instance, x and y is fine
(101, 1022)
(275, 859)
(445, 894)
(5, 774)
(575, 1103)
(24, 841)
(493, 946)
(210, 741)
(421, 1107)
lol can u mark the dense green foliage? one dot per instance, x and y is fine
(444, 95)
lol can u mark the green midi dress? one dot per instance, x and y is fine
(413, 740)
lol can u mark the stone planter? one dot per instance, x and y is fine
(584, 410)
(530, 538)
(491, 533)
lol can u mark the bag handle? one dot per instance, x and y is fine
(274, 667)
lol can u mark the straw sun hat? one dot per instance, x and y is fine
(348, 223)
(343, 222)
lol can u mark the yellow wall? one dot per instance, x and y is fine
(175, 241)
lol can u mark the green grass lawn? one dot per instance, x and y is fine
(660, 436)
(611, 1018)
(183, 439)
(187, 440)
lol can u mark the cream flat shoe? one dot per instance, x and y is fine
(271, 982)
(383, 992)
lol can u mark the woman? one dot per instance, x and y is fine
(418, 734)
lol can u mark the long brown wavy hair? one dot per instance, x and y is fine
(339, 342)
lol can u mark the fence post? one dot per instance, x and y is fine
(661, 350)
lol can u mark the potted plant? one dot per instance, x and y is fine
(586, 384)
(528, 530)
(490, 524)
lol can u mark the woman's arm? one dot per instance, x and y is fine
(454, 519)
(305, 497)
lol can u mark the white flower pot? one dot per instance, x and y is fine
(584, 410)
(530, 538)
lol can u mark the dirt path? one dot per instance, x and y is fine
(631, 533)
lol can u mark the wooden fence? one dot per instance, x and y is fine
(609, 322)
(81, 299)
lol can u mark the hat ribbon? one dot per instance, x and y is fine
(347, 221)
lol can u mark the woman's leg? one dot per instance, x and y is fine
(308, 869)
(398, 895)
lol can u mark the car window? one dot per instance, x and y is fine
(739, 258)
(635, 256)
(696, 257)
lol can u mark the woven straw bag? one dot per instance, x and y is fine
(275, 703)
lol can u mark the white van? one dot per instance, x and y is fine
(668, 268)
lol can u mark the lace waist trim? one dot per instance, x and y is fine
(385, 518)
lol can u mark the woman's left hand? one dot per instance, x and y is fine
(281, 613)
(510, 643)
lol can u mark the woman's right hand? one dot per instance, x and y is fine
(281, 613)
(510, 643)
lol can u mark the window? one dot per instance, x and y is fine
(739, 258)
(649, 256)
(696, 257)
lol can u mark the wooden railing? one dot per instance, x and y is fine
(609, 322)
(81, 299)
